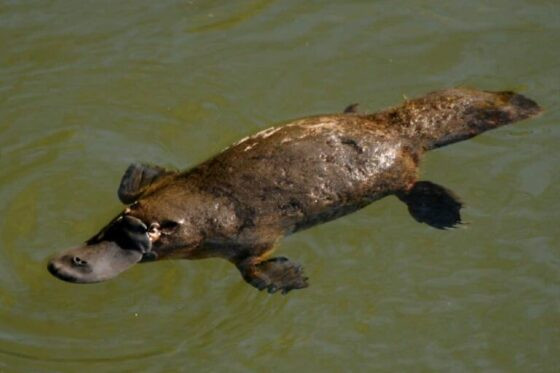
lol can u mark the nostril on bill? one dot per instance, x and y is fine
(79, 262)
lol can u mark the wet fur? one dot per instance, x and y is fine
(238, 204)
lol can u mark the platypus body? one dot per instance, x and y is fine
(238, 204)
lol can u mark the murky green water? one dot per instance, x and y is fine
(88, 87)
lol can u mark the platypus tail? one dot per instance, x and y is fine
(448, 116)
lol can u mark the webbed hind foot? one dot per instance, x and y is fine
(351, 109)
(275, 274)
(433, 204)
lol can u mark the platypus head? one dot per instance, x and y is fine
(144, 229)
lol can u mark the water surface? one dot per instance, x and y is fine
(88, 87)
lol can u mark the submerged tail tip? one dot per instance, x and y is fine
(521, 106)
(458, 114)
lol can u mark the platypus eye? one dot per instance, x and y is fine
(168, 226)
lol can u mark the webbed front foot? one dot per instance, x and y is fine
(275, 274)
(137, 178)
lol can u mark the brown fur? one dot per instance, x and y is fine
(238, 204)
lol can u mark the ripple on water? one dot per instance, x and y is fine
(88, 89)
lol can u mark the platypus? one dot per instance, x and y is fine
(238, 204)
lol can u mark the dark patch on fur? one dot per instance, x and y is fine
(353, 143)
